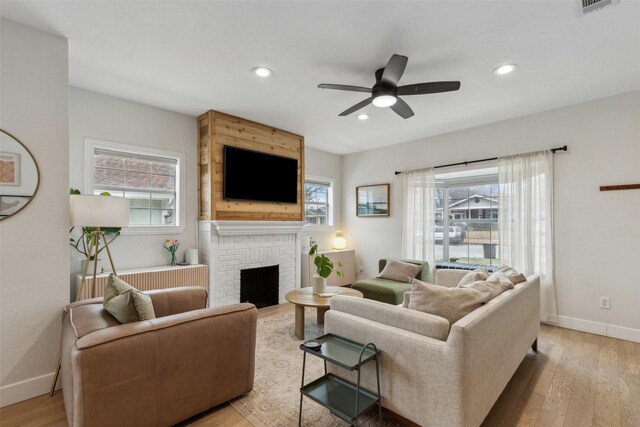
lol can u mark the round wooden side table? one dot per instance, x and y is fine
(304, 297)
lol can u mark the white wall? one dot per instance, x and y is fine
(597, 233)
(98, 116)
(34, 253)
(320, 163)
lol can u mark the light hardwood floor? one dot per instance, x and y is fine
(575, 379)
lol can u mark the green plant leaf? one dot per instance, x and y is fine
(314, 248)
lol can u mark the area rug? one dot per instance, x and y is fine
(275, 398)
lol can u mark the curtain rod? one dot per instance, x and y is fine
(553, 150)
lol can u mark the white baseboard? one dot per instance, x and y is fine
(623, 333)
(27, 389)
(599, 328)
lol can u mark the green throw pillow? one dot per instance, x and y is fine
(126, 303)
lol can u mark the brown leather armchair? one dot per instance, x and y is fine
(155, 372)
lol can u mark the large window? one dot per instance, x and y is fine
(318, 202)
(467, 221)
(150, 179)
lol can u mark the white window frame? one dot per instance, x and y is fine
(330, 198)
(469, 181)
(91, 144)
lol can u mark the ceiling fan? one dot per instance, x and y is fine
(385, 93)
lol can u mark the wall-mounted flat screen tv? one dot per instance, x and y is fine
(251, 175)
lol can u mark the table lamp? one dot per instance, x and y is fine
(98, 212)
(339, 242)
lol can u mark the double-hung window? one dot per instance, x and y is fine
(150, 179)
(466, 229)
(318, 202)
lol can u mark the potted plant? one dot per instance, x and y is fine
(85, 240)
(324, 267)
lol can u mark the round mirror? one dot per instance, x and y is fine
(19, 175)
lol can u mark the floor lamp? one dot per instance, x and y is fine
(98, 212)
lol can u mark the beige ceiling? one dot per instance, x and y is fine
(194, 56)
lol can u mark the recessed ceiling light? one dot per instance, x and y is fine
(363, 116)
(504, 69)
(262, 72)
(384, 100)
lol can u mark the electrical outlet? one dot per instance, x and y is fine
(605, 303)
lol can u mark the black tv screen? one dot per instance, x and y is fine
(250, 175)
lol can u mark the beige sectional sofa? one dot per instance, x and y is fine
(436, 374)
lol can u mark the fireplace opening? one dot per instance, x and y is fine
(260, 286)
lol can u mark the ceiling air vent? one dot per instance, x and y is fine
(591, 5)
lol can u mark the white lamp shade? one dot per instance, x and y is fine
(99, 211)
(339, 242)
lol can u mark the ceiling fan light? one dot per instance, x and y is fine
(504, 69)
(384, 101)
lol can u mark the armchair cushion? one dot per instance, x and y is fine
(383, 290)
(389, 291)
(126, 303)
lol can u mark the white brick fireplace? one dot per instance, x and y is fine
(230, 246)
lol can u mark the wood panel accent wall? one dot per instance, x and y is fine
(215, 130)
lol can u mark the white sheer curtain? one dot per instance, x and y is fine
(525, 222)
(418, 216)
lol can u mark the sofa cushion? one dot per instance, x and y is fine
(495, 284)
(513, 275)
(126, 303)
(399, 271)
(451, 303)
(409, 320)
(383, 290)
(472, 276)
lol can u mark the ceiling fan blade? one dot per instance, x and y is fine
(402, 109)
(431, 87)
(356, 107)
(394, 70)
(345, 87)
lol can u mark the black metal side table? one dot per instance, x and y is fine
(343, 398)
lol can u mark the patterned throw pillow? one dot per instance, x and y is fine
(126, 303)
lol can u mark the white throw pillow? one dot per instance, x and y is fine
(473, 276)
(451, 303)
(513, 275)
(399, 271)
(495, 284)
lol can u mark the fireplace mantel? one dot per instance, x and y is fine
(244, 228)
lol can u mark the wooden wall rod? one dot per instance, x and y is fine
(620, 187)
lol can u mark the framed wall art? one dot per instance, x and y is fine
(9, 168)
(373, 200)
